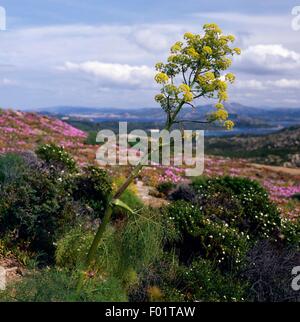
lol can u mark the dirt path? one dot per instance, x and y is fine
(148, 200)
(290, 171)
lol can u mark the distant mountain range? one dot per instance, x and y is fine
(244, 116)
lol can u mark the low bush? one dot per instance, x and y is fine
(202, 281)
(296, 196)
(51, 285)
(39, 201)
(246, 205)
(159, 281)
(183, 192)
(73, 247)
(93, 187)
(290, 232)
(269, 272)
(35, 210)
(165, 187)
(57, 157)
(12, 168)
(201, 236)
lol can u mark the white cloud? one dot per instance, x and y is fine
(286, 83)
(250, 84)
(255, 84)
(268, 58)
(118, 74)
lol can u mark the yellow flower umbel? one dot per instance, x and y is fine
(176, 47)
(187, 94)
(230, 77)
(229, 125)
(221, 114)
(159, 98)
(207, 50)
(189, 36)
(192, 52)
(161, 78)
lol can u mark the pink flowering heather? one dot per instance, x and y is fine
(172, 174)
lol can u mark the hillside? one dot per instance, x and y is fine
(21, 131)
(280, 148)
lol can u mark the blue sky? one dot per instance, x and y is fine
(102, 53)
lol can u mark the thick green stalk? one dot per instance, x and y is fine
(98, 236)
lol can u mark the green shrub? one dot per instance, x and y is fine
(296, 196)
(290, 232)
(91, 139)
(186, 218)
(73, 247)
(223, 244)
(222, 205)
(36, 206)
(93, 186)
(12, 168)
(57, 157)
(163, 275)
(165, 187)
(37, 210)
(201, 236)
(247, 205)
(202, 281)
(52, 285)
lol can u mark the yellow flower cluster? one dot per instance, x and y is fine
(209, 76)
(187, 94)
(230, 77)
(212, 27)
(176, 47)
(192, 52)
(231, 38)
(221, 114)
(189, 36)
(161, 78)
(219, 106)
(184, 88)
(159, 98)
(207, 50)
(159, 66)
(229, 125)
(223, 96)
(237, 50)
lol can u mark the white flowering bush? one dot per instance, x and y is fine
(199, 236)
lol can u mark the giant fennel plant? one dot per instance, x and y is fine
(195, 69)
